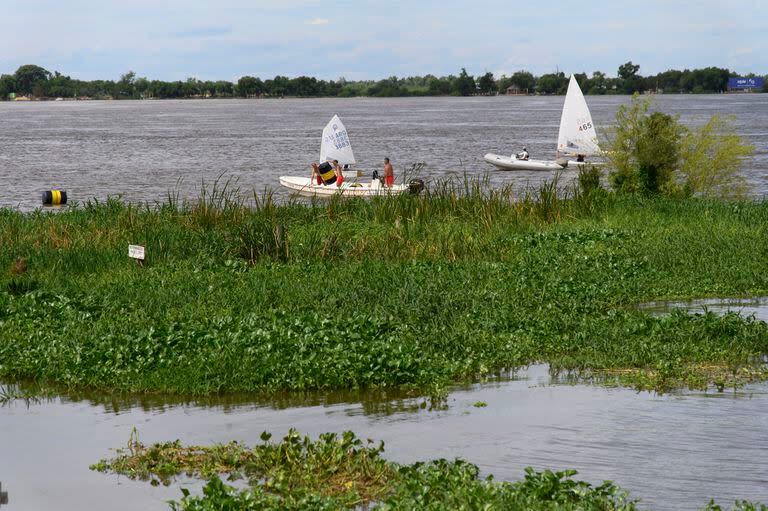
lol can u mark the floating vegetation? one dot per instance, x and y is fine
(414, 293)
(340, 471)
(343, 472)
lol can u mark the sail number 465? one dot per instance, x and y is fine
(585, 126)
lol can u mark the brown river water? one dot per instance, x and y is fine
(673, 452)
(142, 150)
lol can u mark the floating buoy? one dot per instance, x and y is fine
(54, 197)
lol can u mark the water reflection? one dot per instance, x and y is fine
(745, 307)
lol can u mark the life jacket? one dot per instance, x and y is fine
(326, 173)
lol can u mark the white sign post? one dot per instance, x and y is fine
(136, 252)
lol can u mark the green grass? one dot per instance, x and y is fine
(413, 292)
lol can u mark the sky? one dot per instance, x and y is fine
(226, 39)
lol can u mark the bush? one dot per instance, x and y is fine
(711, 158)
(652, 153)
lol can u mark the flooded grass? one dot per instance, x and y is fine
(412, 293)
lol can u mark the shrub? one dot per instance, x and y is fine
(652, 153)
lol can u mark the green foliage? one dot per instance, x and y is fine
(589, 179)
(652, 153)
(335, 469)
(29, 76)
(486, 83)
(39, 82)
(414, 292)
(553, 83)
(712, 156)
(340, 472)
(464, 85)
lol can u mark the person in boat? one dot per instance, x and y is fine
(581, 157)
(324, 173)
(339, 172)
(389, 173)
(523, 155)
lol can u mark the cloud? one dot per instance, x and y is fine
(319, 21)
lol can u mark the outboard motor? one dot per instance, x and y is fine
(376, 177)
(416, 186)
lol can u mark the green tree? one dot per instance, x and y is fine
(28, 76)
(631, 82)
(248, 86)
(7, 86)
(597, 84)
(125, 87)
(464, 85)
(711, 159)
(643, 151)
(552, 83)
(523, 80)
(651, 153)
(486, 83)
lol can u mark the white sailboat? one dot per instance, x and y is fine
(577, 136)
(335, 145)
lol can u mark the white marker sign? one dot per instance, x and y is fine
(136, 252)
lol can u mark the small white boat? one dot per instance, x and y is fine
(510, 163)
(349, 188)
(335, 145)
(577, 136)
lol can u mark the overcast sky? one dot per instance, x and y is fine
(362, 39)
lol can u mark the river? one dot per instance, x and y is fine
(141, 150)
(675, 452)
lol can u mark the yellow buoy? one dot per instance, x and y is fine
(54, 197)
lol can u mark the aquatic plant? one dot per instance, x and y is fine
(340, 471)
(343, 472)
(411, 292)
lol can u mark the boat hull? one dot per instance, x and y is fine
(509, 163)
(309, 188)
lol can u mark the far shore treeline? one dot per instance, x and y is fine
(32, 81)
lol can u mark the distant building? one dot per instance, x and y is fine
(514, 90)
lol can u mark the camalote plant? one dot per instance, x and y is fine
(340, 471)
(416, 293)
(651, 152)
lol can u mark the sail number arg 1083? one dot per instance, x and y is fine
(339, 139)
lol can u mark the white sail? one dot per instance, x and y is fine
(577, 131)
(336, 144)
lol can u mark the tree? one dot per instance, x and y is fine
(628, 70)
(248, 86)
(464, 85)
(523, 80)
(644, 150)
(653, 153)
(28, 76)
(553, 83)
(486, 83)
(711, 158)
(631, 82)
(7, 86)
(597, 84)
(126, 85)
